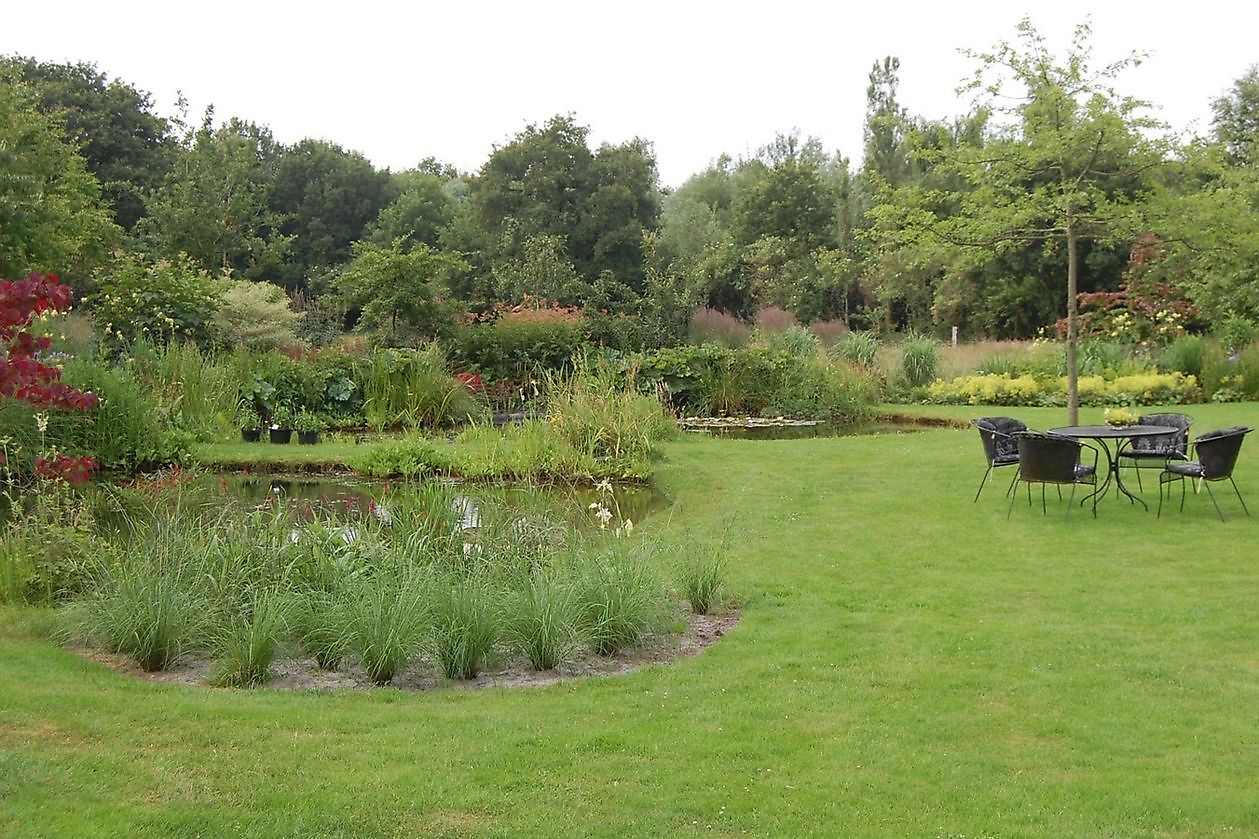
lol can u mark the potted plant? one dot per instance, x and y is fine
(250, 423)
(282, 424)
(308, 425)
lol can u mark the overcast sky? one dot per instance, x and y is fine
(403, 81)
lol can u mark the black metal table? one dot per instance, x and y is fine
(1103, 434)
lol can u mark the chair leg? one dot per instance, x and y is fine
(1213, 501)
(1044, 509)
(1239, 494)
(1013, 481)
(982, 481)
(1014, 496)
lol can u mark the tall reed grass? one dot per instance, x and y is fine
(413, 388)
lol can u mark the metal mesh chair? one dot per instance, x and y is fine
(1215, 456)
(1157, 449)
(1000, 446)
(1051, 459)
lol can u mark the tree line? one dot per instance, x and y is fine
(994, 221)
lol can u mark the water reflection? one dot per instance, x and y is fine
(349, 495)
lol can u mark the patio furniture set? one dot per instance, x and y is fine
(1156, 441)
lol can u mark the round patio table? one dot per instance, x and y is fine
(1104, 434)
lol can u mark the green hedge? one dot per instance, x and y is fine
(1026, 390)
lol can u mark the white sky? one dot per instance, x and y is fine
(401, 81)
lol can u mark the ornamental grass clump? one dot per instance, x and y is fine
(464, 625)
(319, 622)
(244, 645)
(702, 577)
(386, 618)
(601, 415)
(617, 601)
(149, 616)
(540, 621)
(919, 360)
(413, 388)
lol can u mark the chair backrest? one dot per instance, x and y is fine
(1173, 442)
(1047, 458)
(997, 435)
(1217, 451)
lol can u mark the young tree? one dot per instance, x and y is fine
(1069, 164)
(395, 287)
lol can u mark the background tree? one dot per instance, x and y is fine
(51, 215)
(214, 205)
(125, 144)
(548, 183)
(1071, 165)
(325, 198)
(1236, 119)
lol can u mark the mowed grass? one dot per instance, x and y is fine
(908, 663)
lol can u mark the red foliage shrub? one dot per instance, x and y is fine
(23, 376)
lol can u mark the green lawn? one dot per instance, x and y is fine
(908, 663)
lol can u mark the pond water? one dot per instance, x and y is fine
(351, 495)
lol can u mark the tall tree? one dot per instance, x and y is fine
(1069, 165)
(547, 182)
(51, 216)
(127, 146)
(1236, 119)
(214, 205)
(325, 198)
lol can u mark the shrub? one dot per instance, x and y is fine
(161, 301)
(1246, 371)
(711, 326)
(256, 315)
(1184, 355)
(519, 343)
(1142, 389)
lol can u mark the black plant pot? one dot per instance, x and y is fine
(307, 438)
(281, 435)
(251, 435)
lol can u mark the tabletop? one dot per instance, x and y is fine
(1110, 432)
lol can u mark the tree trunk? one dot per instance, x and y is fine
(1073, 322)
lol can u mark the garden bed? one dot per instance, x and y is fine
(701, 633)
